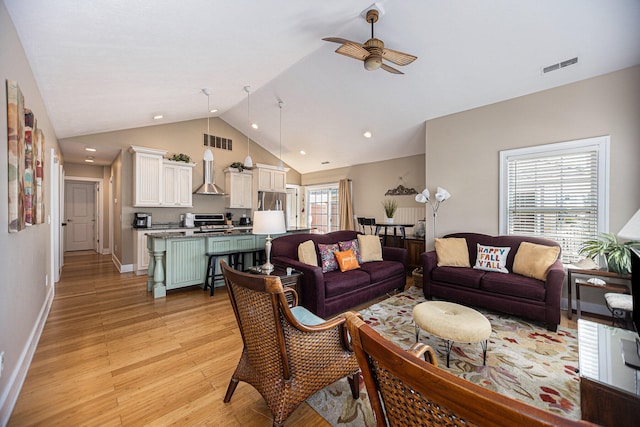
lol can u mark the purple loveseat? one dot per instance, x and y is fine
(326, 294)
(504, 292)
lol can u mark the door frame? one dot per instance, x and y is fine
(98, 242)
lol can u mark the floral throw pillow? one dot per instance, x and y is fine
(492, 258)
(353, 245)
(329, 262)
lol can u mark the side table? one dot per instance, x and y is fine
(292, 280)
(613, 282)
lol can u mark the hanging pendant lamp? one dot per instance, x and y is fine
(280, 164)
(248, 162)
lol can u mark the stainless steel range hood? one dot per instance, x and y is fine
(209, 186)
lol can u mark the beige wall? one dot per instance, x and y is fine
(182, 137)
(25, 257)
(372, 180)
(462, 150)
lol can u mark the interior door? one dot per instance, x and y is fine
(80, 208)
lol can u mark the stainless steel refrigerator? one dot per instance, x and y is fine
(270, 201)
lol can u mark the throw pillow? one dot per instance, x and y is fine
(370, 247)
(353, 245)
(534, 260)
(329, 262)
(307, 253)
(452, 252)
(492, 258)
(347, 260)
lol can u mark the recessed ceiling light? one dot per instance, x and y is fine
(90, 149)
(303, 152)
(367, 134)
(158, 117)
(213, 110)
(254, 125)
(89, 160)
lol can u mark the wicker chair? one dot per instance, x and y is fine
(289, 353)
(407, 391)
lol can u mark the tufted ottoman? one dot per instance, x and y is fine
(452, 322)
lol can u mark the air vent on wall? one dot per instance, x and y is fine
(218, 142)
(559, 65)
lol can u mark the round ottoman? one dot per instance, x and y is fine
(452, 322)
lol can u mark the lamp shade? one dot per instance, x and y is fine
(268, 222)
(631, 230)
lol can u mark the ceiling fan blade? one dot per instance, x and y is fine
(398, 58)
(353, 50)
(390, 69)
(339, 40)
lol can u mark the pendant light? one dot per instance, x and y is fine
(280, 164)
(248, 162)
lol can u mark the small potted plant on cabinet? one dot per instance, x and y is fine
(616, 254)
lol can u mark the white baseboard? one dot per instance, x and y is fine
(16, 380)
(122, 268)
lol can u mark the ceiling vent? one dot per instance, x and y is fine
(559, 65)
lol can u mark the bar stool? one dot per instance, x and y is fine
(619, 305)
(212, 261)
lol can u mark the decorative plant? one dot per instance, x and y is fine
(180, 158)
(617, 254)
(237, 165)
(390, 207)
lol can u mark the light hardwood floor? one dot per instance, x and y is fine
(111, 355)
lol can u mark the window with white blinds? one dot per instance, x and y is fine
(555, 191)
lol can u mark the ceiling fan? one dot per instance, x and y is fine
(372, 52)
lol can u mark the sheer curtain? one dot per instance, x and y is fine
(346, 207)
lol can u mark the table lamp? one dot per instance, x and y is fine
(268, 222)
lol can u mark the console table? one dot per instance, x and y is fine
(614, 282)
(609, 389)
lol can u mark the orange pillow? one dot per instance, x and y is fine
(347, 260)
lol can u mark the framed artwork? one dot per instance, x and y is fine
(25, 163)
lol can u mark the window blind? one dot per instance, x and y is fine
(554, 196)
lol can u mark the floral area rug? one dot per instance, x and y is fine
(524, 361)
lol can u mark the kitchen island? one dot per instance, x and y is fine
(178, 259)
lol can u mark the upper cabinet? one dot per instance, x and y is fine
(158, 182)
(271, 179)
(239, 188)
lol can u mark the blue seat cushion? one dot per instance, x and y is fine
(305, 317)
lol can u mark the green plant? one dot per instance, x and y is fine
(237, 165)
(180, 158)
(390, 207)
(617, 254)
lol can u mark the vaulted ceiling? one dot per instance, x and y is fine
(106, 65)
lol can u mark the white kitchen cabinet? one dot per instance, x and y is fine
(147, 176)
(272, 180)
(239, 188)
(177, 184)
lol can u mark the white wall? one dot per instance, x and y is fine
(24, 256)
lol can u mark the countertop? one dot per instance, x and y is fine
(191, 232)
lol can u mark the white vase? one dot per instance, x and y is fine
(389, 220)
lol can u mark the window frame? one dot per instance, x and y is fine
(600, 144)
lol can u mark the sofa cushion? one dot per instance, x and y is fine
(467, 277)
(534, 260)
(338, 283)
(382, 270)
(492, 258)
(370, 248)
(354, 246)
(307, 253)
(452, 252)
(514, 285)
(327, 257)
(346, 260)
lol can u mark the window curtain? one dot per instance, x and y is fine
(346, 206)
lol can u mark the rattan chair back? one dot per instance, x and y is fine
(283, 359)
(405, 390)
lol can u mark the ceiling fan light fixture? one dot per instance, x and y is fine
(372, 63)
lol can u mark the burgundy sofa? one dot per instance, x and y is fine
(504, 292)
(326, 294)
